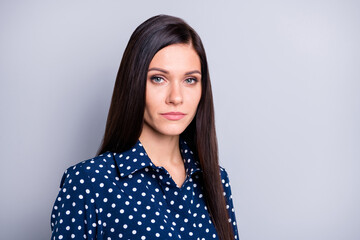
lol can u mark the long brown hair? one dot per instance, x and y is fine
(126, 113)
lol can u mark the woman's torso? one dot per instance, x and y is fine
(125, 196)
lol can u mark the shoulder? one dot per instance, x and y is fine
(224, 175)
(84, 171)
(225, 181)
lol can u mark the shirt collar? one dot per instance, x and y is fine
(136, 159)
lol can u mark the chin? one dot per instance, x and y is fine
(172, 132)
(167, 128)
(171, 129)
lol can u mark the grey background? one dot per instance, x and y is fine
(285, 78)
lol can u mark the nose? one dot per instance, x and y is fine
(175, 94)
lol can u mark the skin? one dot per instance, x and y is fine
(173, 85)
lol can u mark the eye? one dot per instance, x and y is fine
(157, 79)
(191, 80)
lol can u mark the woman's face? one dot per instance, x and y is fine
(173, 90)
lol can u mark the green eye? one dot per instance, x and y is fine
(191, 80)
(157, 79)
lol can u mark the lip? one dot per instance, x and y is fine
(173, 116)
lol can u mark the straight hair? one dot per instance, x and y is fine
(126, 114)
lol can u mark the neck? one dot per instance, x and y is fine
(161, 149)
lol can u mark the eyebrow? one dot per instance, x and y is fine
(166, 72)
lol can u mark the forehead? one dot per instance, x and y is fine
(177, 57)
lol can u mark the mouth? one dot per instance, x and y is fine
(173, 116)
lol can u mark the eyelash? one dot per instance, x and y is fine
(193, 79)
(156, 78)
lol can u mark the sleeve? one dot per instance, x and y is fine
(229, 201)
(74, 212)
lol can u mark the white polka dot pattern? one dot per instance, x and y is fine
(125, 196)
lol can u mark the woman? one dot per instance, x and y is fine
(157, 174)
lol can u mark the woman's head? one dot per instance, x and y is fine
(126, 115)
(173, 91)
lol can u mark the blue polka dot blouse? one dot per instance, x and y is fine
(125, 196)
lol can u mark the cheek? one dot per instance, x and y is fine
(197, 104)
(153, 99)
(196, 96)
